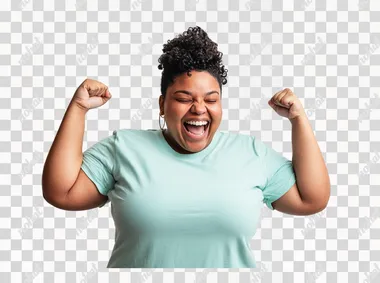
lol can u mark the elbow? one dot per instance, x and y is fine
(49, 199)
(52, 194)
(47, 192)
(325, 199)
(319, 205)
(54, 201)
(311, 209)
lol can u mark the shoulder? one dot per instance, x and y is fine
(240, 142)
(236, 138)
(138, 137)
(135, 132)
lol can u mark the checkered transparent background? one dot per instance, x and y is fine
(47, 48)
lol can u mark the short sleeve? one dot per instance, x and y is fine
(98, 164)
(278, 171)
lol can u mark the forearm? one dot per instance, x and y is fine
(63, 162)
(313, 181)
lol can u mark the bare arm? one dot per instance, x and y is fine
(64, 184)
(311, 192)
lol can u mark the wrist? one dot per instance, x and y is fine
(78, 107)
(299, 119)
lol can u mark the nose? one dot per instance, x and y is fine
(198, 108)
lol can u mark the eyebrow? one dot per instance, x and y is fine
(189, 93)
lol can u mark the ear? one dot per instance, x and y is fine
(161, 103)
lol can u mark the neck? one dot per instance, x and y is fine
(173, 144)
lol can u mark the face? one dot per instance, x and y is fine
(191, 98)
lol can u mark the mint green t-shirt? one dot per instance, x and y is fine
(174, 210)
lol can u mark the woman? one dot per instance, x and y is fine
(187, 195)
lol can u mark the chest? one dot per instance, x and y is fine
(188, 197)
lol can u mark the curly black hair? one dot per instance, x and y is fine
(191, 50)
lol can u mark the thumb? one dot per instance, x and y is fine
(274, 106)
(271, 104)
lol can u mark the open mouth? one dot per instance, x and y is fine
(196, 131)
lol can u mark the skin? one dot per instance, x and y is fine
(309, 195)
(178, 106)
(311, 192)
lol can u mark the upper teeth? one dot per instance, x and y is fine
(197, 123)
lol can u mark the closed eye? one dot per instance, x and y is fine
(181, 100)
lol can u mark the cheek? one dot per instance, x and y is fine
(173, 112)
(216, 112)
(175, 117)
